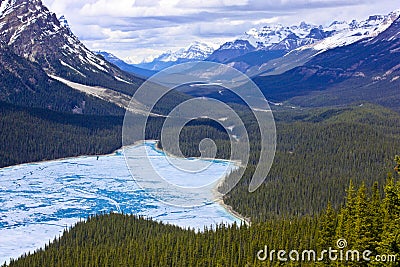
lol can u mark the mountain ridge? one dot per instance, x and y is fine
(35, 33)
(37, 48)
(365, 71)
(252, 52)
(296, 39)
(131, 68)
(196, 51)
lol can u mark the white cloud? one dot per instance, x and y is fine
(265, 21)
(211, 3)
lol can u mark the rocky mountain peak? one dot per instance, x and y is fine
(237, 44)
(35, 33)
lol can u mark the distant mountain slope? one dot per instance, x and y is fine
(279, 48)
(33, 32)
(140, 72)
(25, 83)
(231, 50)
(365, 71)
(368, 70)
(194, 52)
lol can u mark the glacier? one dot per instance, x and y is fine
(39, 200)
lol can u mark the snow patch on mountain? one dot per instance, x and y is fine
(196, 51)
(237, 45)
(271, 35)
(33, 14)
(5, 6)
(356, 31)
(64, 22)
(72, 68)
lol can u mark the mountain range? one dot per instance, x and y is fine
(43, 64)
(131, 68)
(252, 52)
(197, 51)
(274, 42)
(358, 64)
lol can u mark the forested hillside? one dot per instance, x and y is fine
(318, 152)
(29, 134)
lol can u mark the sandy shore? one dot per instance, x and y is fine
(233, 212)
(219, 199)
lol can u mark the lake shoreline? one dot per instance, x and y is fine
(218, 198)
(217, 195)
(61, 192)
(234, 213)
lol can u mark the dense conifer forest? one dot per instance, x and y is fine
(367, 223)
(29, 134)
(319, 151)
(325, 157)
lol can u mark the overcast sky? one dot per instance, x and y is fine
(137, 29)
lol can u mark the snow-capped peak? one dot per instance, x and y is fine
(195, 51)
(355, 31)
(41, 37)
(339, 26)
(304, 35)
(305, 26)
(274, 36)
(237, 45)
(106, 54)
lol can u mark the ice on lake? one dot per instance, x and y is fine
(39, 200)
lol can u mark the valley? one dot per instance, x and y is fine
(77, 186)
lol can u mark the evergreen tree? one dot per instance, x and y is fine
(363, 222)
(390, 244)
(350, 215)
(327, 230)
(397, 160)
(377, 216)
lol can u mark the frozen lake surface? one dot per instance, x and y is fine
(39, 200)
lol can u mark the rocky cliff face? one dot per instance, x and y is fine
(35, 47)
(35, 33)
